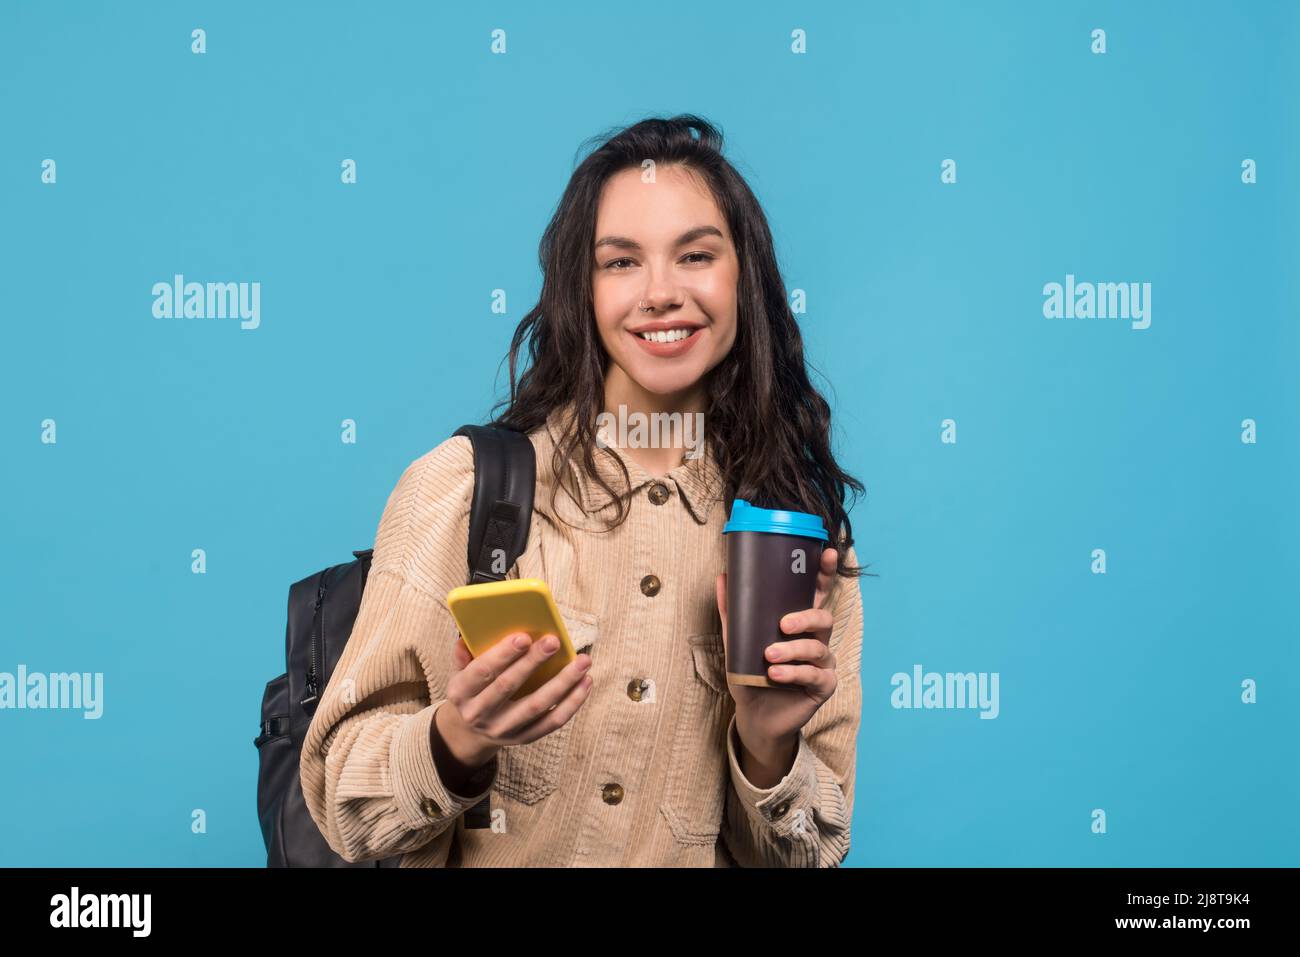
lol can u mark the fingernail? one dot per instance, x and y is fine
(583, 665)
(522, 642)
(550, 643)
(777, 671)
(774, 653)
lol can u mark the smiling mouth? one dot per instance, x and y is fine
(668, 344)
(672, 335)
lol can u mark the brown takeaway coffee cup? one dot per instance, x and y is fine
(773, 557)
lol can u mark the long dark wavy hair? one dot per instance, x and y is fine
(768, 427)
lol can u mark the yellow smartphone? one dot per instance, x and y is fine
(489, 612)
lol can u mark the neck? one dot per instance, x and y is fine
(639, 404)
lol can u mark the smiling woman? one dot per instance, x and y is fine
(661, 300)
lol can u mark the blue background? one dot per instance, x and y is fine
(1118, 691)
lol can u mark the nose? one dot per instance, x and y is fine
(661, 291)
(658, 296)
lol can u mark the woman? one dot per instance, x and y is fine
(640, 752)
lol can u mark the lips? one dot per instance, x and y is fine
(667, 350)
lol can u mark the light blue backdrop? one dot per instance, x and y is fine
(1119, 692)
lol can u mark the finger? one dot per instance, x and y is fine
(811, 650)
(815, 620)
(517, 715)
(820, 680)
(826, 575)
(495, 696)
(460, 654)
(481, 671)
(558, 715)
(720, 586)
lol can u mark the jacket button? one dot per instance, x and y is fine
(650, 586)
(780, 809)
(635, 687)
(430, 807)
(658, 493)
(611, 793)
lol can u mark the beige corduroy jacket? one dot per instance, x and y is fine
(646, 773)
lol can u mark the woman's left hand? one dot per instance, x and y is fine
(768, 720)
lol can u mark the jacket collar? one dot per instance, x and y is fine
(698, 480)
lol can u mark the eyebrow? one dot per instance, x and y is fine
(622, 242)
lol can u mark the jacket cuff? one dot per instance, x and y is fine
(786, 808)
(418, 791)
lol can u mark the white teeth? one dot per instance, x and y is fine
(673, 335)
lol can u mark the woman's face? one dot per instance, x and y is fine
(665, 246)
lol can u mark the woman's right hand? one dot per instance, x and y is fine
(479, 718)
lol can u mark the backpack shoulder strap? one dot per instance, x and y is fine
(505, 474)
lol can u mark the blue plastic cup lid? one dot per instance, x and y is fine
(751, 518)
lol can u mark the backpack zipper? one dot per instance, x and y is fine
(313, 690)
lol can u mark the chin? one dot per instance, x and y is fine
(662, 381)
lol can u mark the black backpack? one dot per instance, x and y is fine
(322, 610)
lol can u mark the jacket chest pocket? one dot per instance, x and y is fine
(695, 792)
(529, 772)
